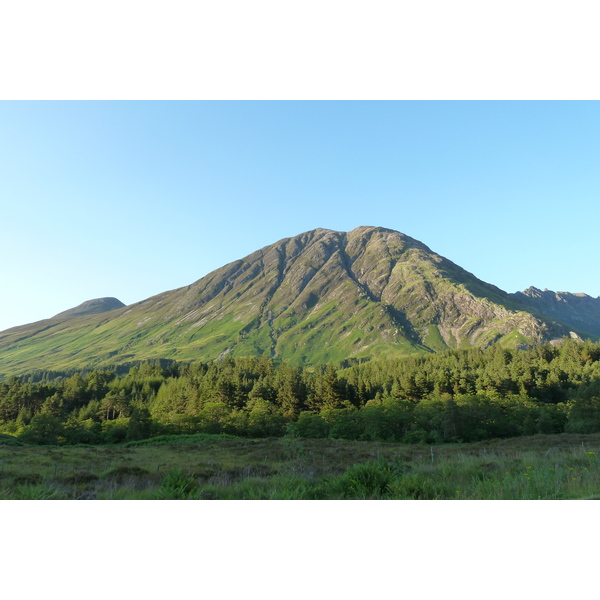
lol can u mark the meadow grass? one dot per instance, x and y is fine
(216, 467)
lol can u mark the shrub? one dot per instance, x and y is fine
(44, 429)
(416, 436)
(115, 432)
(383, 423)
(584, 414)
(344, 424)
(177, 485)
(283, 487)
(140, 425)
(309, 425)
(417, 487)
(9, 440)
(293, 448)
(264, 419)
(368, 480)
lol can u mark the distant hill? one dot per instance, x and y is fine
(316, 297)
(91, 307)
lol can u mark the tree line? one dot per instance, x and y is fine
(455, 396)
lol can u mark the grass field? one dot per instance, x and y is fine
(221, 467)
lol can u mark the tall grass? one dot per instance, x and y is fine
(213, 468)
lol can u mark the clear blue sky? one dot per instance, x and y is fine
(129, 199)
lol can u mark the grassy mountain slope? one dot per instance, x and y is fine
(317, 297)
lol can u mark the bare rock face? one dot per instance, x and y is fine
(91, 307)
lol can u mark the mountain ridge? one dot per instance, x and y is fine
(575, 309)
(316, 297)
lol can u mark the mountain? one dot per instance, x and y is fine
(91, 307)
(316, 297)
(579, 311)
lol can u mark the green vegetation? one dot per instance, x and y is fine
(564, 466)
(324, 341)
(452, 397)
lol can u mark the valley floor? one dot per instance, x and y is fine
(213, 467)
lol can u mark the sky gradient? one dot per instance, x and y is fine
(130, 199)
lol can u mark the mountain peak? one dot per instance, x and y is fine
(363, 229)
(91, 307)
